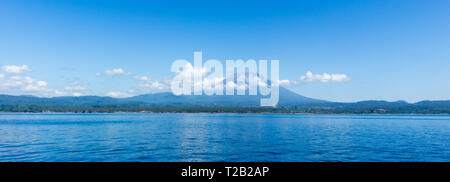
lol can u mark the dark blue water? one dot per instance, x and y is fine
(223, 137)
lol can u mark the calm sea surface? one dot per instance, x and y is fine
(223, 137)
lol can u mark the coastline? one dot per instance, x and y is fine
(253, 113)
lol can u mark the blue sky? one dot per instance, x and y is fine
(390, 50)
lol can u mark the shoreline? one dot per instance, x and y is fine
(249, 113)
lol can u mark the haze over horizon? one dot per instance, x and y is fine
(342, 51)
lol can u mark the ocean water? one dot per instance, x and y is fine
(224, 137)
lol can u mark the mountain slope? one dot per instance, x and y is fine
(84, 100)
(167, 102)
(287, 97)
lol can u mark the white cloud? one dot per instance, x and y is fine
(149, 85)
(17, 84)
(324, 78)
(153, 85)
(236, 86)
(15, 69)
(284, 82)
(141, 78)
(118, 71)
(21, 85)
(75, 86)
(229, 82)
(118, 94)
(42, 84)
(76, 89)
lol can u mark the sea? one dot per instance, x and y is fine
(204, 137)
